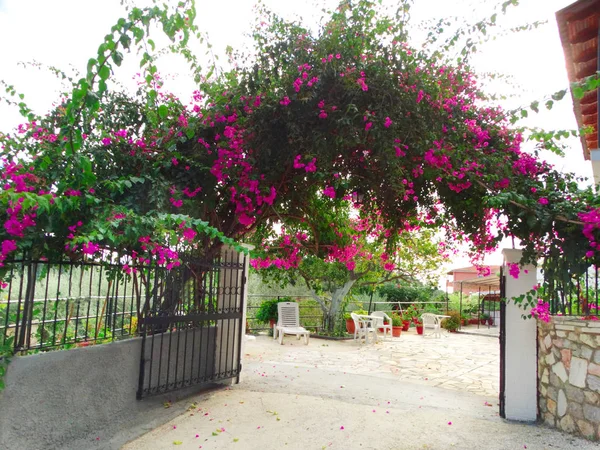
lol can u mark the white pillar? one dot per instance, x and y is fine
(595, 159)
(520, 361)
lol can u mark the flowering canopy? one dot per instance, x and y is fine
(310, 120)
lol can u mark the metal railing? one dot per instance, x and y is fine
(311, 315)
(59, 305)
(574, 293)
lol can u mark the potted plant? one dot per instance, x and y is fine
(464, 320)
(350, 328)
(397, 325)
(405, 322)
(490, 321)
(453, 322)
(267, 312)
(419, 325)
(483, 318)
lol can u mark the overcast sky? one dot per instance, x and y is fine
(66, 33)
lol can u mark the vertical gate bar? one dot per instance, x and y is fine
(46, 290)
(78, 302)
(123, 306)
(115, 308)
(186, 298)
(10, 286)
(233, 334)
(87, 314)
(69, 294)
(140, 390)
(241, 325)
(204, 293)
(150, 305)
(133, 285)
(56, 303)
(19, 302)
(227, 282)
(96, 328)
(193, 290)
(25, 337)
(587, 296)
(228, 309)
(502, 342)
(213, 272)
(596, 285)
(177, 290)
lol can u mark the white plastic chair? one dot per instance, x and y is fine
(363, 327)
(381, 322)
(288, 322)
(431, 322)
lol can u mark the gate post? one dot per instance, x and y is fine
(520, 352)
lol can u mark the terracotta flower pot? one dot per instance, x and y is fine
(482, 321)
(473, 321)
(396, 331)
(419, 329)
(350, 326)
(405, 325)
(490, 321)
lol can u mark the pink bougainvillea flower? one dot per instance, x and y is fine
(311, 166)
(387, 122)
(368, 126)
(543, 201)
(513, 270)
(89, 248)
(329, 191)
(106, 141)
(449, 423)
(342, 427)
(189, 234)
(322, 114)
(420, 96)
(285, 101)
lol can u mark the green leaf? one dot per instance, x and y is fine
(117, 58)
(163, 111)
(104, 72)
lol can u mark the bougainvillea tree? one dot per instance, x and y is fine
(330, 252)
(350, 109)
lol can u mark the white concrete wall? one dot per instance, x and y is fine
(521, 346)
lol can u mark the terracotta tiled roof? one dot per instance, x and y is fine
(578, 28)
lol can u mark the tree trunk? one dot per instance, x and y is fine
(337, 297)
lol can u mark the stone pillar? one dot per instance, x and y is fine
(520, 363)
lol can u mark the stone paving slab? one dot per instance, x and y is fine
(325, 396)
(454, 361)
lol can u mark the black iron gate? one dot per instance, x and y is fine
(191, 324)
(502, 340)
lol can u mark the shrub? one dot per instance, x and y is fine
(453, 322)
(268, 309)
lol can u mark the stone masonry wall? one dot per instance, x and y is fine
(569, 375)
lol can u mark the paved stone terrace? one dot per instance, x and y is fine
(456, 361)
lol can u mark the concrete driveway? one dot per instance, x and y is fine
(409, 393)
